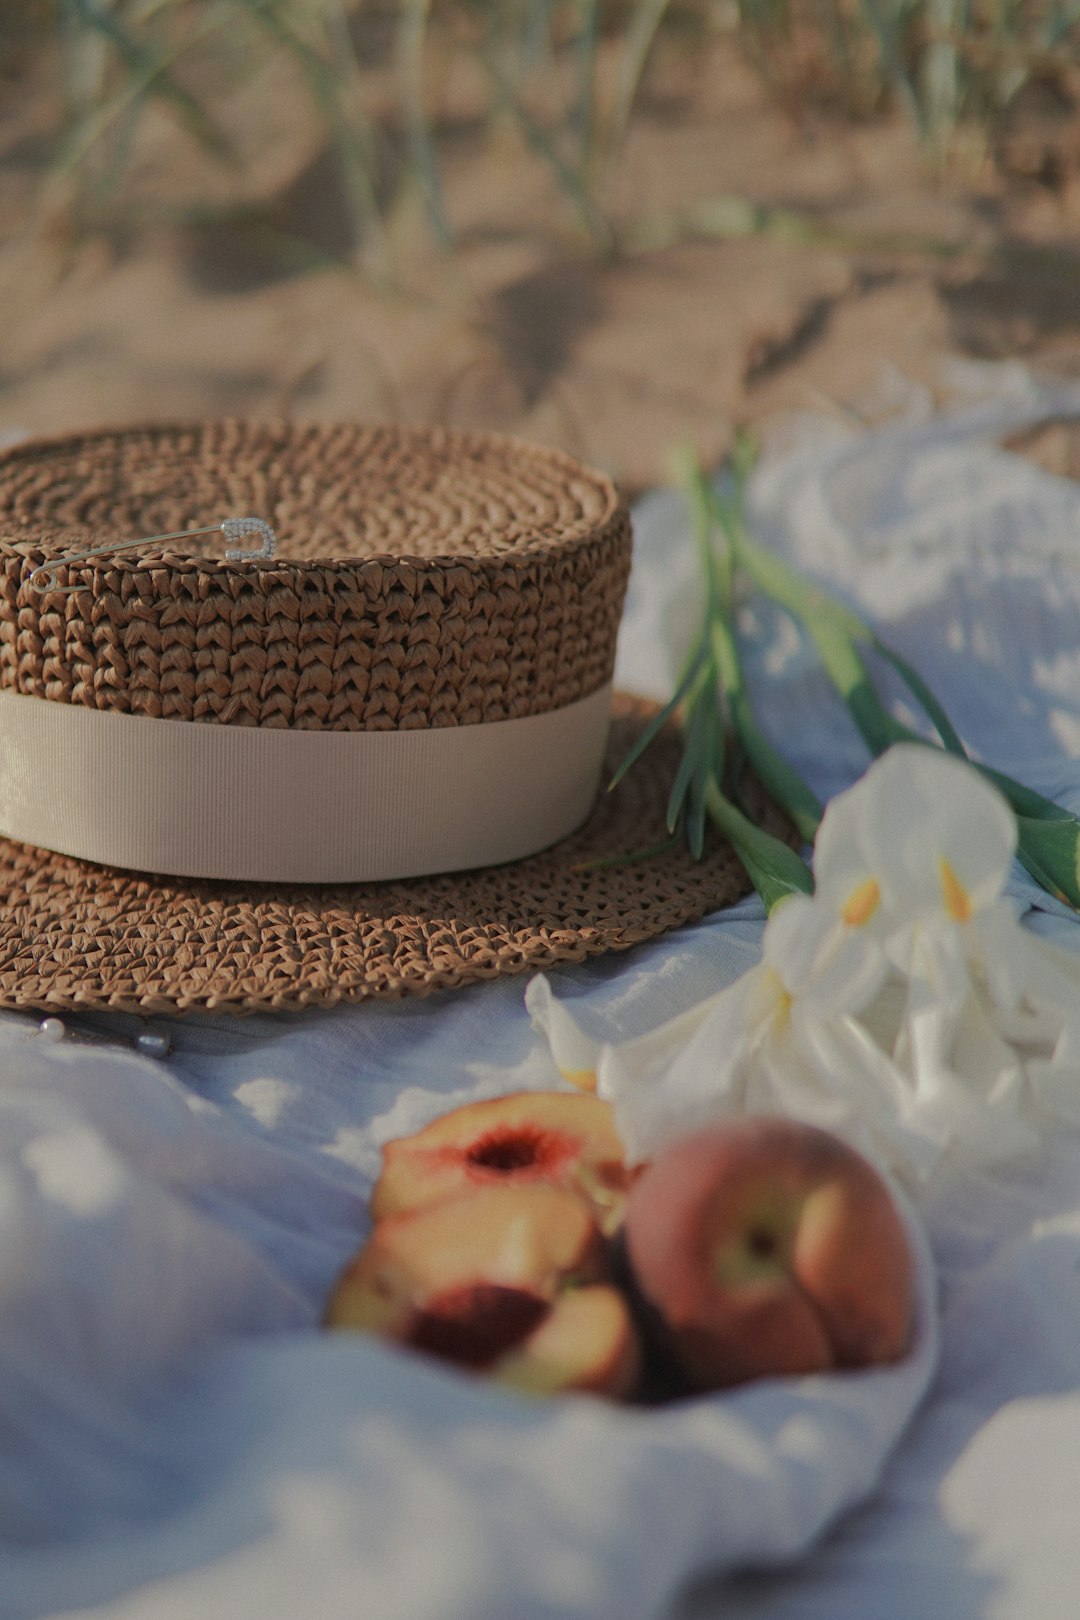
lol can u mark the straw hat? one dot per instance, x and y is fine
(367, 765)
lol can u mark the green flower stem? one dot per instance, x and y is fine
(780, 781)
(1048, 836)
(712, 688)
(835, 631)
(709, 761)
(713, 673)
(838, 634)
(777, 777)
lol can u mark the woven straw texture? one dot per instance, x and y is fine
(73, 936)
(421, 578)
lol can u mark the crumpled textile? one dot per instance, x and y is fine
(178, 1437)
(170, 1410)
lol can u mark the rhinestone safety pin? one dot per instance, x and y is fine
(45, 577)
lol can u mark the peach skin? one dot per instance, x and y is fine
(766, 1247)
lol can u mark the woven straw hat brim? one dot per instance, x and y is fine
(73, 935)
(423, 579)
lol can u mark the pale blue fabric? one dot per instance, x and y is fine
(177, 1438)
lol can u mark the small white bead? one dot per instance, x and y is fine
(151, 1045)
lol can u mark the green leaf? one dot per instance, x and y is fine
(923, 696)
(1048, 835)
(780, 780)
(772, 866)
(837, 634)
(658, 722)
(708, 762)
(1050, 850)
(1025, 801)
(877, 727)
(694, 742)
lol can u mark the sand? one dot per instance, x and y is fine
(863, 264)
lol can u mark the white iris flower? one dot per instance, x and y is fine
(903, 1005)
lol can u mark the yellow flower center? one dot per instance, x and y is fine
(782, 1014)
(957, 900)
(861, 903)
(584, 1079)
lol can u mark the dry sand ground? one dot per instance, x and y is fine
(525, 328)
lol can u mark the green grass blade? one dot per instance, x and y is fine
(276, 17)
(93, 126)
(538, 140)
(636, 46)
(583, 116)
(151, 71)
(885, 30)
(413, 24)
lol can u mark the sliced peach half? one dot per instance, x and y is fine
(506, 1281)
(566, 1139)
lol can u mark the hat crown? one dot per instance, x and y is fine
(422, 578)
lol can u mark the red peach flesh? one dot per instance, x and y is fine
(506, 1280)
(476, 1324)
(567, 1139)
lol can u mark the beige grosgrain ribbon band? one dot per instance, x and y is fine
(264, 804)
